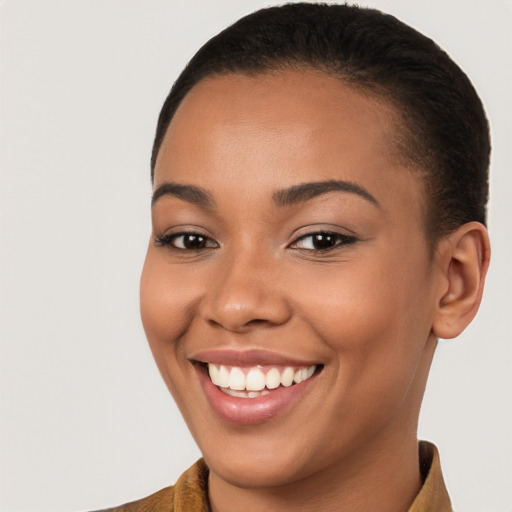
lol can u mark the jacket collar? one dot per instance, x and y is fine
(191, 490)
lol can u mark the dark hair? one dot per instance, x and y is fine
(446, 135)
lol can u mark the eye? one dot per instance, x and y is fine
(322, 241)
(186, 241)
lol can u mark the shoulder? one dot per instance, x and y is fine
(161, 501)
(189, 493)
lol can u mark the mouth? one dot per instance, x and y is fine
(256, 381)
(249, 388)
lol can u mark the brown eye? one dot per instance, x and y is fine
(186, 241)
(322, 241)
(191, 241)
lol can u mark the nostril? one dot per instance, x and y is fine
(238, 327)
(257, 321)
(245, 309)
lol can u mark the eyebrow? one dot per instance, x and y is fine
(306, 191)
(190, 193)
(286, 197)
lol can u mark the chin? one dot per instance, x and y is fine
(268, 470)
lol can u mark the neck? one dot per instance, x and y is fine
(385, 478)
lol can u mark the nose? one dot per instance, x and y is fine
(246, 292)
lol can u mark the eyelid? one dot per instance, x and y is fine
(166, 239)
(344, 239)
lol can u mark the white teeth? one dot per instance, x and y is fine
(213, 372)
(255, 380)
(300, 375)
(235, 382)
(245, 394)
(273, 378)
(237, 379)
(256, 394)
(287, 377)
(232, 392)
(223, 377)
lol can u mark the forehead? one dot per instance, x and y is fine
(310, 104)
(282, 128)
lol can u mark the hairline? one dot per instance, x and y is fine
(401, 136)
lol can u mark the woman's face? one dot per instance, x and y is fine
(288, 243)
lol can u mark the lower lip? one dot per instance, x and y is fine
(251, 411)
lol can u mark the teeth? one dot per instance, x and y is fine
(300, 375)
(287, 377)
(213, 372)
(256, 383)
(237, 379)
(256, 394)
(222, 377)
(255, 380)
(245, 394)
(273, 378)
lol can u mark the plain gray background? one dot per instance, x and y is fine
(85, 420)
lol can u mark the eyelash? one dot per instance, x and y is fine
(169, 239)
(338, 240)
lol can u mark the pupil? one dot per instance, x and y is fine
(194, 241)
(323, 241)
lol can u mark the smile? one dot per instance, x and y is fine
(249, 387)
(256, 381)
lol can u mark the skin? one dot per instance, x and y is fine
(368, 311)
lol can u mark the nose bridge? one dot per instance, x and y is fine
(245, 292)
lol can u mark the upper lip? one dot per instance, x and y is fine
(251, 357)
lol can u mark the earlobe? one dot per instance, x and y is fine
(464, 259)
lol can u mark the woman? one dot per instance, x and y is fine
(82, 406)
(319, 204)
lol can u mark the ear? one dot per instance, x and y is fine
(463, 257)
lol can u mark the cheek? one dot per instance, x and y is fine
(166, 304)
(378, 297)
(376, 320)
